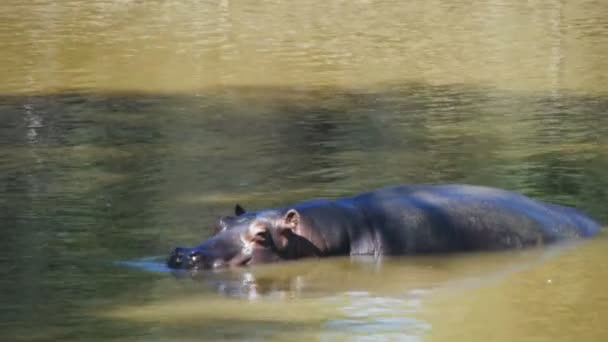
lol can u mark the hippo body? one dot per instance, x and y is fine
(400, 220)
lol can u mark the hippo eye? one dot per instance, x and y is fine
(261, 238)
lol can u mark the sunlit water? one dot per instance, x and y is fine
(126, 127)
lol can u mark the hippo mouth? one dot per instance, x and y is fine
(244, 260)
(179, 260)
(195, 260)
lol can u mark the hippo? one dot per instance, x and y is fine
(397, 220)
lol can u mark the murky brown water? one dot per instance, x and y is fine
(127, 126)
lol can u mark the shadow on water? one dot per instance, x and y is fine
(87, 179)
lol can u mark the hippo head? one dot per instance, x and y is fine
(246, 239)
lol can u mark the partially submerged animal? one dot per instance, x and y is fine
(396, 220)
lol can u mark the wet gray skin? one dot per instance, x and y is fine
(239, 240)
(252, 238)
(398, 220)
(225, 247)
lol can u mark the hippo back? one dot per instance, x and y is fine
(444, 218)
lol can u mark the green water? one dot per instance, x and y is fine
(126, 127)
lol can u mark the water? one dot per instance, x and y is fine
(127, 127)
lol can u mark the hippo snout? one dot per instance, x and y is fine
(184, 258)
(189, 258)
(176, 258)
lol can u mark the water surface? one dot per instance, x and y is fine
(126, 127)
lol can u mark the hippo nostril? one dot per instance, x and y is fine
(189, 258)
(194, 256)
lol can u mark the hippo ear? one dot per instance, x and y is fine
(238, 210)
(291, 219)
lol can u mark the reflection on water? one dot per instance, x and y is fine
(111, 177)
(393, 298)
(126, 127)
(384, 318)
(312, 278)
(188, 45)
